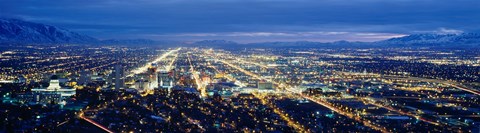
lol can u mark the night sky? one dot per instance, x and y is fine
(250, 20)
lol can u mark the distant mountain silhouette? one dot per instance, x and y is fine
(215, 42)
(464, 40)
(127, 41)
(19, 31)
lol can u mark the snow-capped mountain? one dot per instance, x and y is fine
(435, 40)
(18, 31)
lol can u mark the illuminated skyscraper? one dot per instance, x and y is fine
(152, 76)
(119, 80)
(142, 85)
(85, 76)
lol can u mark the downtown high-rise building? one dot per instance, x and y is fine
(119, 79)
(85, 76)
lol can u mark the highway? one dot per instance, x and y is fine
(450, 83)
(95, 123)
(395, 77)
(401, 112)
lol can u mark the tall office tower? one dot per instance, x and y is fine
(142, 85)
(85, 76)
(119, 80)
(264, 85)
(152, 76)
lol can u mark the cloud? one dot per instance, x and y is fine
(448, 31)
(247, 19)
(247, 37)
(256, 34)
(441, 30)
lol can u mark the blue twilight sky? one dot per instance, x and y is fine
(250, 20)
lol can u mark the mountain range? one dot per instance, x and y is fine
(17, 31)
(23, 32)
(434, 40)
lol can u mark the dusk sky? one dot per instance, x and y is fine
(250, 20)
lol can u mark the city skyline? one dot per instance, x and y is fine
(207, 66)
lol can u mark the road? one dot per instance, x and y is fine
(450, 83)
(200, 86)
(160, 58)
(95, 123)
(367, 123)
